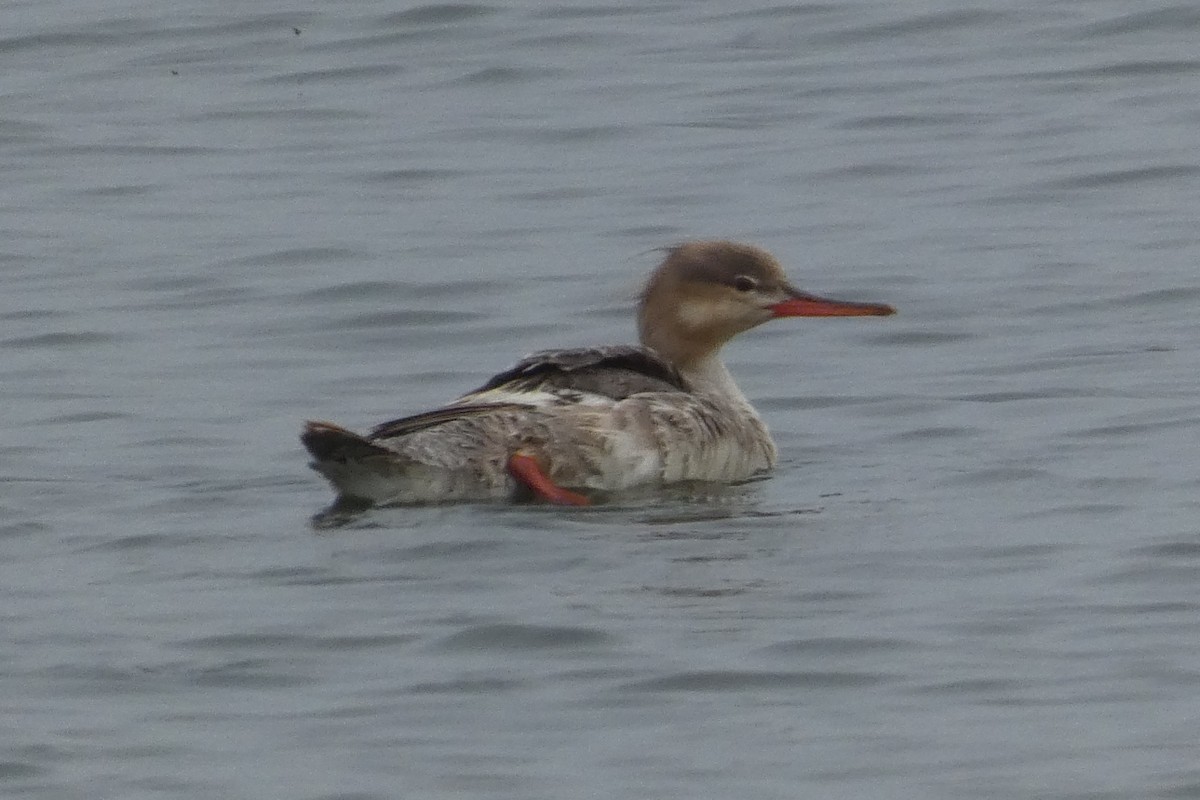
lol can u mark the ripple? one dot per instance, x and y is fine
(1139, 609)
(500, 76)
(1139, 68)
(583, 134)
(935, 432)
(17, 770)
(1076, 510)
(32, 313)
(909, 121)
(122, 190)
(282, 115)
(336, 74)
(572, 12)
(86, 416)
(437, 14)
(874, 169)
(740, 680)
(1187, 790)
(141, 541)
(1157, 572)
(92, 680)
(296, 256)
(699, 592)
(398, 291)
(1019, 396)
(412, 175)
(43, 42)
(920, 338)
(1170, 20)
(440, 550)
(1187, 295)
(271, 641)
(138, 150)
(989, 687)
(357, 290)
(1177, 549)
(1125, 177)
(909, 25)
(19, 529)
(403, 318)
(1131, 429)
(836, 645)
(990, 475)
(522, 637)
(247, 674)
(566, 193)
(465, 686)
(60, 340)
(802, 403)
(22, 131)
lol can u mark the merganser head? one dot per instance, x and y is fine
(705, 293)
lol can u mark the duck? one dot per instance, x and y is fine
(569, 426)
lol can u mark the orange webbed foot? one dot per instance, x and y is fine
(528, 471)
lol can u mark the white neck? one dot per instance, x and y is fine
(709, 376)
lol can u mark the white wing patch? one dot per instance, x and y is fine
(536, 398)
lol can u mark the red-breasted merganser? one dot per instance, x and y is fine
(563, 423)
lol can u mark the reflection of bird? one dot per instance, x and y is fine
(562, 422)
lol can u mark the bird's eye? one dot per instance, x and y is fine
(744, 283)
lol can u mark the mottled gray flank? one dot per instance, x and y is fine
(972, 575)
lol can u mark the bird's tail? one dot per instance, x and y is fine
(357, 467)
(328, 442)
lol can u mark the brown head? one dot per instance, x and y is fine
(705, 293)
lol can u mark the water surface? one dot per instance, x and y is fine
(974, 574)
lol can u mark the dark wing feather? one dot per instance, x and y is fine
(616, 371)
(427, 419)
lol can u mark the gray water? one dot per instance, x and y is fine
(973, 575)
